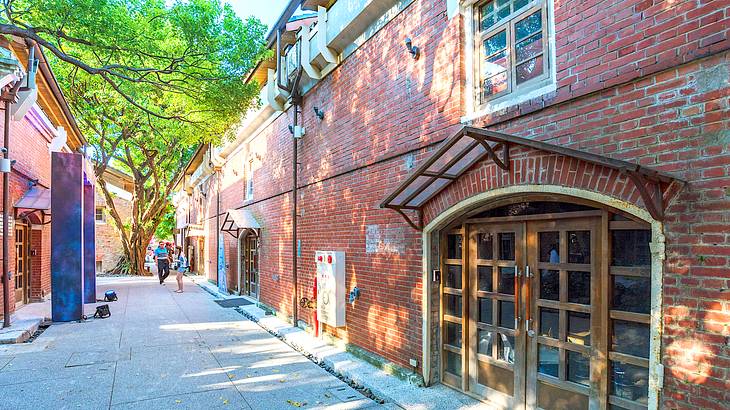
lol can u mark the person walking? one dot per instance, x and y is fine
(182, 265)
(163, 262)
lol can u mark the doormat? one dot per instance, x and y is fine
(233, 302)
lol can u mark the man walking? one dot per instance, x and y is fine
(163, 262)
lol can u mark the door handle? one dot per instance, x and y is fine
(517, 297)
(528, 296)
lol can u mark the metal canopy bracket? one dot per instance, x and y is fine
(458, 153)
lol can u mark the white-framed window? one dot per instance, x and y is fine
(100, 215)
(249, 181)
(512, 53)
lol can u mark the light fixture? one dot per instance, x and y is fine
(319, 113)
(415, 51)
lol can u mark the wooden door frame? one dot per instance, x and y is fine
(510, 194)
(25, 228)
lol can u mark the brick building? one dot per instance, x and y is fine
(41, 122)
(533, 204)
(108, 241)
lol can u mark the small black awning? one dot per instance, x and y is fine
(237, 220)
(470, 145)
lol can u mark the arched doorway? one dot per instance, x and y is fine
(249, 263)
(546, 301)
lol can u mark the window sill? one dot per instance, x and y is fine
(509, 100)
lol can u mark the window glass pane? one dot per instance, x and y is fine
(506, 351)
(453, 247)
(578, 368)
(579, 287)
(579, 247)
(495, 43)
(529, 25)
(631, 293)
(529, 47)
(501, 3)
(630, 382)
(453, 363)
(549, 323)
(504, 11)
(630, 247)
(547, 360)
(520, 4)
(488, 20)
(579, 328)
(507, 280)
(494, 85)
(549, 284)
(452, 334)
(453, 276)
(485, 278)
(507, 246)
(549, 247)
(485, 248)
(507, 314)
(630, 338)
(488, 8)
(485, 342)
(452, 305)
(485, 310)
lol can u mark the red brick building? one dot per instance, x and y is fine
(533, 205)
(108, 241)
(46, 125)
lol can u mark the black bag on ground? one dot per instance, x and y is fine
(102, 312)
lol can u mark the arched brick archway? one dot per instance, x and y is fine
(464, 196)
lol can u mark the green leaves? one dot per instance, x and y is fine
(148, 81)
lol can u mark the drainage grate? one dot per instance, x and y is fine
(233, 302)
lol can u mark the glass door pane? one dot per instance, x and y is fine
(496, 354)
(564, 263)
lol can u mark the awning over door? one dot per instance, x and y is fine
(470, 145)
(237, 220)
(36, 199)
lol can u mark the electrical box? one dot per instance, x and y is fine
(331, 287)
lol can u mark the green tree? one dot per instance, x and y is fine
(148, 80)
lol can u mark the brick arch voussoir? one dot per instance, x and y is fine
(534, 167)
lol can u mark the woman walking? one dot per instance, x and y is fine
(182, 264)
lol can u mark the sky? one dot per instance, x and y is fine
(266, 10)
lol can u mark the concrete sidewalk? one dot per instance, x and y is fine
(396, 392)
(163, 350)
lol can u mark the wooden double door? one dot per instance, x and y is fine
(528, 304)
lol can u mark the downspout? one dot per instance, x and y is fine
(8, 97)
(295, 258)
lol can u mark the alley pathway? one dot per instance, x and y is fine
(162, 350)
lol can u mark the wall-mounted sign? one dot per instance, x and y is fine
(11, 224)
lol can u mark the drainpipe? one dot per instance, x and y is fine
(7, 99)
(295, 300)
(6, 215)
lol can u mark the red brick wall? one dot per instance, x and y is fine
(630, 86)
(108, 241)
(29, 140)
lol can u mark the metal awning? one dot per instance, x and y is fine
(470, 145)
(36, 198)
(237, 220)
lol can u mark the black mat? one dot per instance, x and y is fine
(233, 302)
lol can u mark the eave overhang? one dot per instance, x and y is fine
(469, 145)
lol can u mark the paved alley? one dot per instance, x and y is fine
(162, 350)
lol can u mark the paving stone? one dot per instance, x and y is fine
(213, 399)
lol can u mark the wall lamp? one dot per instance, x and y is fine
(319, 113)
(415, 51)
